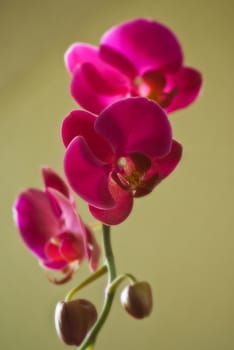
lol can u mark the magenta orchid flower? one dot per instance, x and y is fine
(51, 228)
(137, 58)
(121, 154)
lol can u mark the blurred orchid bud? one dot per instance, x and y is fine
(73, 320)
(137, 299)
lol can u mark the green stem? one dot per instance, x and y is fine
(90, 347)
(108, 253)
(93, 277)
(120, 279)
(109, 295)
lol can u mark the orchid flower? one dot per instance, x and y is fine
(121, 154)
(52, 229)
(140, 57)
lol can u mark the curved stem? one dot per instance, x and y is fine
(120, 279)
(93, 277)
(109, 295)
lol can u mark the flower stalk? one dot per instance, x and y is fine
(120, 279)
(109, 262)
(100, 272)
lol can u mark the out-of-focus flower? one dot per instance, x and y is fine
(140, 57)
(137, 299)
(121, 154)
(73, 320)
(52, 229)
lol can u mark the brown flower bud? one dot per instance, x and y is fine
(73, 320)
(137, 299)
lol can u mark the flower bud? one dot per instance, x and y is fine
(73, 320)
(137, 299)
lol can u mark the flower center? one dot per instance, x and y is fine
(130, 171)
(140, 88)
(153, 85)
(65, 247)
(134, 179)
(135, 173)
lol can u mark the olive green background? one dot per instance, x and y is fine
(180, 238)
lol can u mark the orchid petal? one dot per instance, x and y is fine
(188, 82)
(79, 53)
(124, 204)
(35, 220)
(135, 125)
(53, 180)
(78, 123)
(88, 176)
(118, 61)
(71, 221)
(81, 123)
(165, 165)
(145, 43)
(95, 87)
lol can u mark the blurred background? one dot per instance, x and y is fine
(180, 238)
